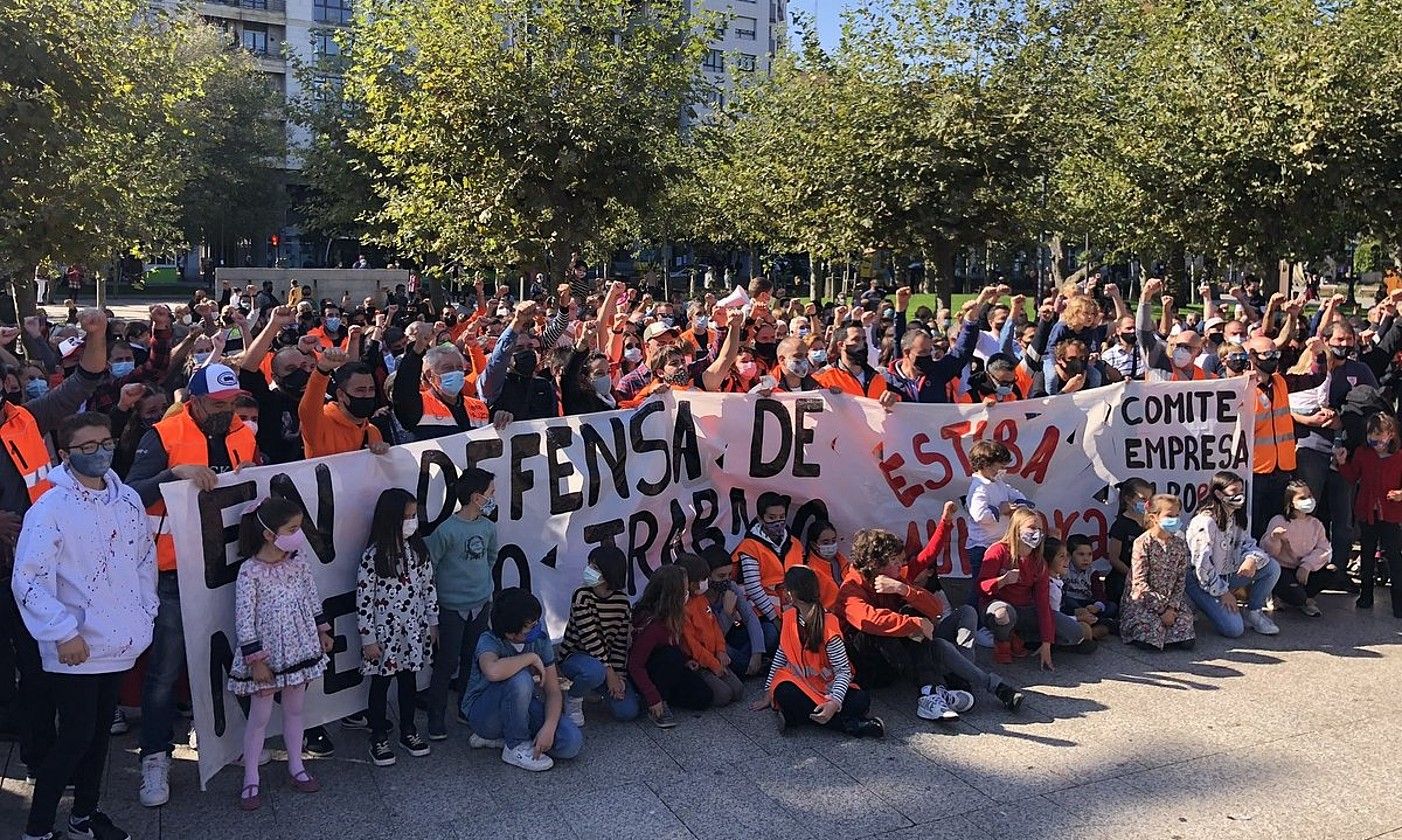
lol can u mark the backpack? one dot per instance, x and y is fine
(1361, 403)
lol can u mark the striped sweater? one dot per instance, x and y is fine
(599, 627)
(837, 658)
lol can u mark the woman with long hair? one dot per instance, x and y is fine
(656, 662)
(1226, 558)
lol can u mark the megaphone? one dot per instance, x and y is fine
(737, 299)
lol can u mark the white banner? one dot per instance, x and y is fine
(678, 474)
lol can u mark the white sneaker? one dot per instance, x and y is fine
(193, 742)
(574, 708)
(477, 742)
(524, 757)
(1260, 622)
(957, 700)
(983, 637)
(932, 706)
(155, 780)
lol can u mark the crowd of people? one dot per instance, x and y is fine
(99, 413)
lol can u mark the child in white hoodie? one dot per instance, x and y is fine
(85, 582)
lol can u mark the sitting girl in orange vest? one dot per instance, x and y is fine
(702, 640)
(810, 680)
(822, 554)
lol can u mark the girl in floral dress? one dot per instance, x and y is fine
(283, 636)
(1156, 610)
(397, 609)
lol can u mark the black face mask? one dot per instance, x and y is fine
(1268, 366)
(856, 355)
(216, 424)
(360, 407)
(524, 362)
(1129, 338)
(767, 349)
(295, 382)
(13, 397)
(1340, 352)
(1074, 367)
(1215, 338)
(1236, 364)
(925, 364)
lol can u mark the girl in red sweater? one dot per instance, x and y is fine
(1014, 592)
(656, 662)
(1377, 506)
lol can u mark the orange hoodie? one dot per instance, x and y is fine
(701, 637)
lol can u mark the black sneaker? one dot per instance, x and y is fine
(95, 826)
(414, 744)
(871, 727)
(1364, 602)
(380, 753)
(1011, 697)
(317, 744)
(359, 720)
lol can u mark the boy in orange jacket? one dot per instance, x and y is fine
(702, 641)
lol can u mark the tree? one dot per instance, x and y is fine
(95, 139)
(511, 129)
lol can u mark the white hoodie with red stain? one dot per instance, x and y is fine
(85, 565)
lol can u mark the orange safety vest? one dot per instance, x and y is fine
(771, 568)
(319, 333)
(1275, 430)
(810, 670)
(647, 392)
(186, 444)
(847, 383)
(24, 443)
(1198, 375)
(827, 584)
(437, 413)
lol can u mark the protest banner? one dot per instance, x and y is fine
(677, 474)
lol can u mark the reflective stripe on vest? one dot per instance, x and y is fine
(1274, 447)
(808, 669)
(185, 444)
(771, 566)
(24, 443)
(437, 413)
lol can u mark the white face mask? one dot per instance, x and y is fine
(1182, 356)
(703, 585)
(1305, 505)
(633, 354)
(411, 527)
(252, 426)
(1031, 538)
(603, 385)
(827, 552)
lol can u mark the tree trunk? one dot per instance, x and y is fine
(814, 293)
(1177, 271)
(1057, 249)
(939, 272)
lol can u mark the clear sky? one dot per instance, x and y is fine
(825, 12)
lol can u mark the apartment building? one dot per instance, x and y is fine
(747, 35)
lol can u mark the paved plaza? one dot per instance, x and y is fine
(1297, 736)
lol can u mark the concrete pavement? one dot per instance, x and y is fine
(1288, 737)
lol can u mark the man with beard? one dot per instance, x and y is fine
(279, 430)
(204, 439)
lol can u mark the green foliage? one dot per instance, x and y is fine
(507, 129)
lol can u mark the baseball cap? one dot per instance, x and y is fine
(215, 381)
(657, 328)
(1214, 321)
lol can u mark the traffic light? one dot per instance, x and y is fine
(274, 241)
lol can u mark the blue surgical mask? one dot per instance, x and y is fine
(1171, 524)
(451, 382)
(1139, 506)
(121, 369)
(1004, 390)
(35, 388)
(818, 357)
(201, 358)
(489, 507)
(701, 324)
(332, 324)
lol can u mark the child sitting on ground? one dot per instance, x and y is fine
(1083, 592)
(702, 641)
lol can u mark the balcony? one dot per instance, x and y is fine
(261, 11)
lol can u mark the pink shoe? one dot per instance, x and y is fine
(304, 782)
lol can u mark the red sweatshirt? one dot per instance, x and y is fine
(1375, 477)
(865, 610)
(648, 635)
(926, 558)
(1031, 590)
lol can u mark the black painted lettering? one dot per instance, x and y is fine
(522, 480)
(759, 467)
(640, 444)
(557, 440)
(616, 459)
(804, 436)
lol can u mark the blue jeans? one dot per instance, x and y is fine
(589, 677)
(1224, 621)
(976, 553)
(513, 711)
(164, 663)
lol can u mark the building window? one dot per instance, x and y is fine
(745, 62)
(773, 11)
(326, 88)
(255, 38)
(745, 28)
(324, 42)
(332, 11)
(715, 61)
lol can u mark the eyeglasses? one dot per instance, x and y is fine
(91, 448)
